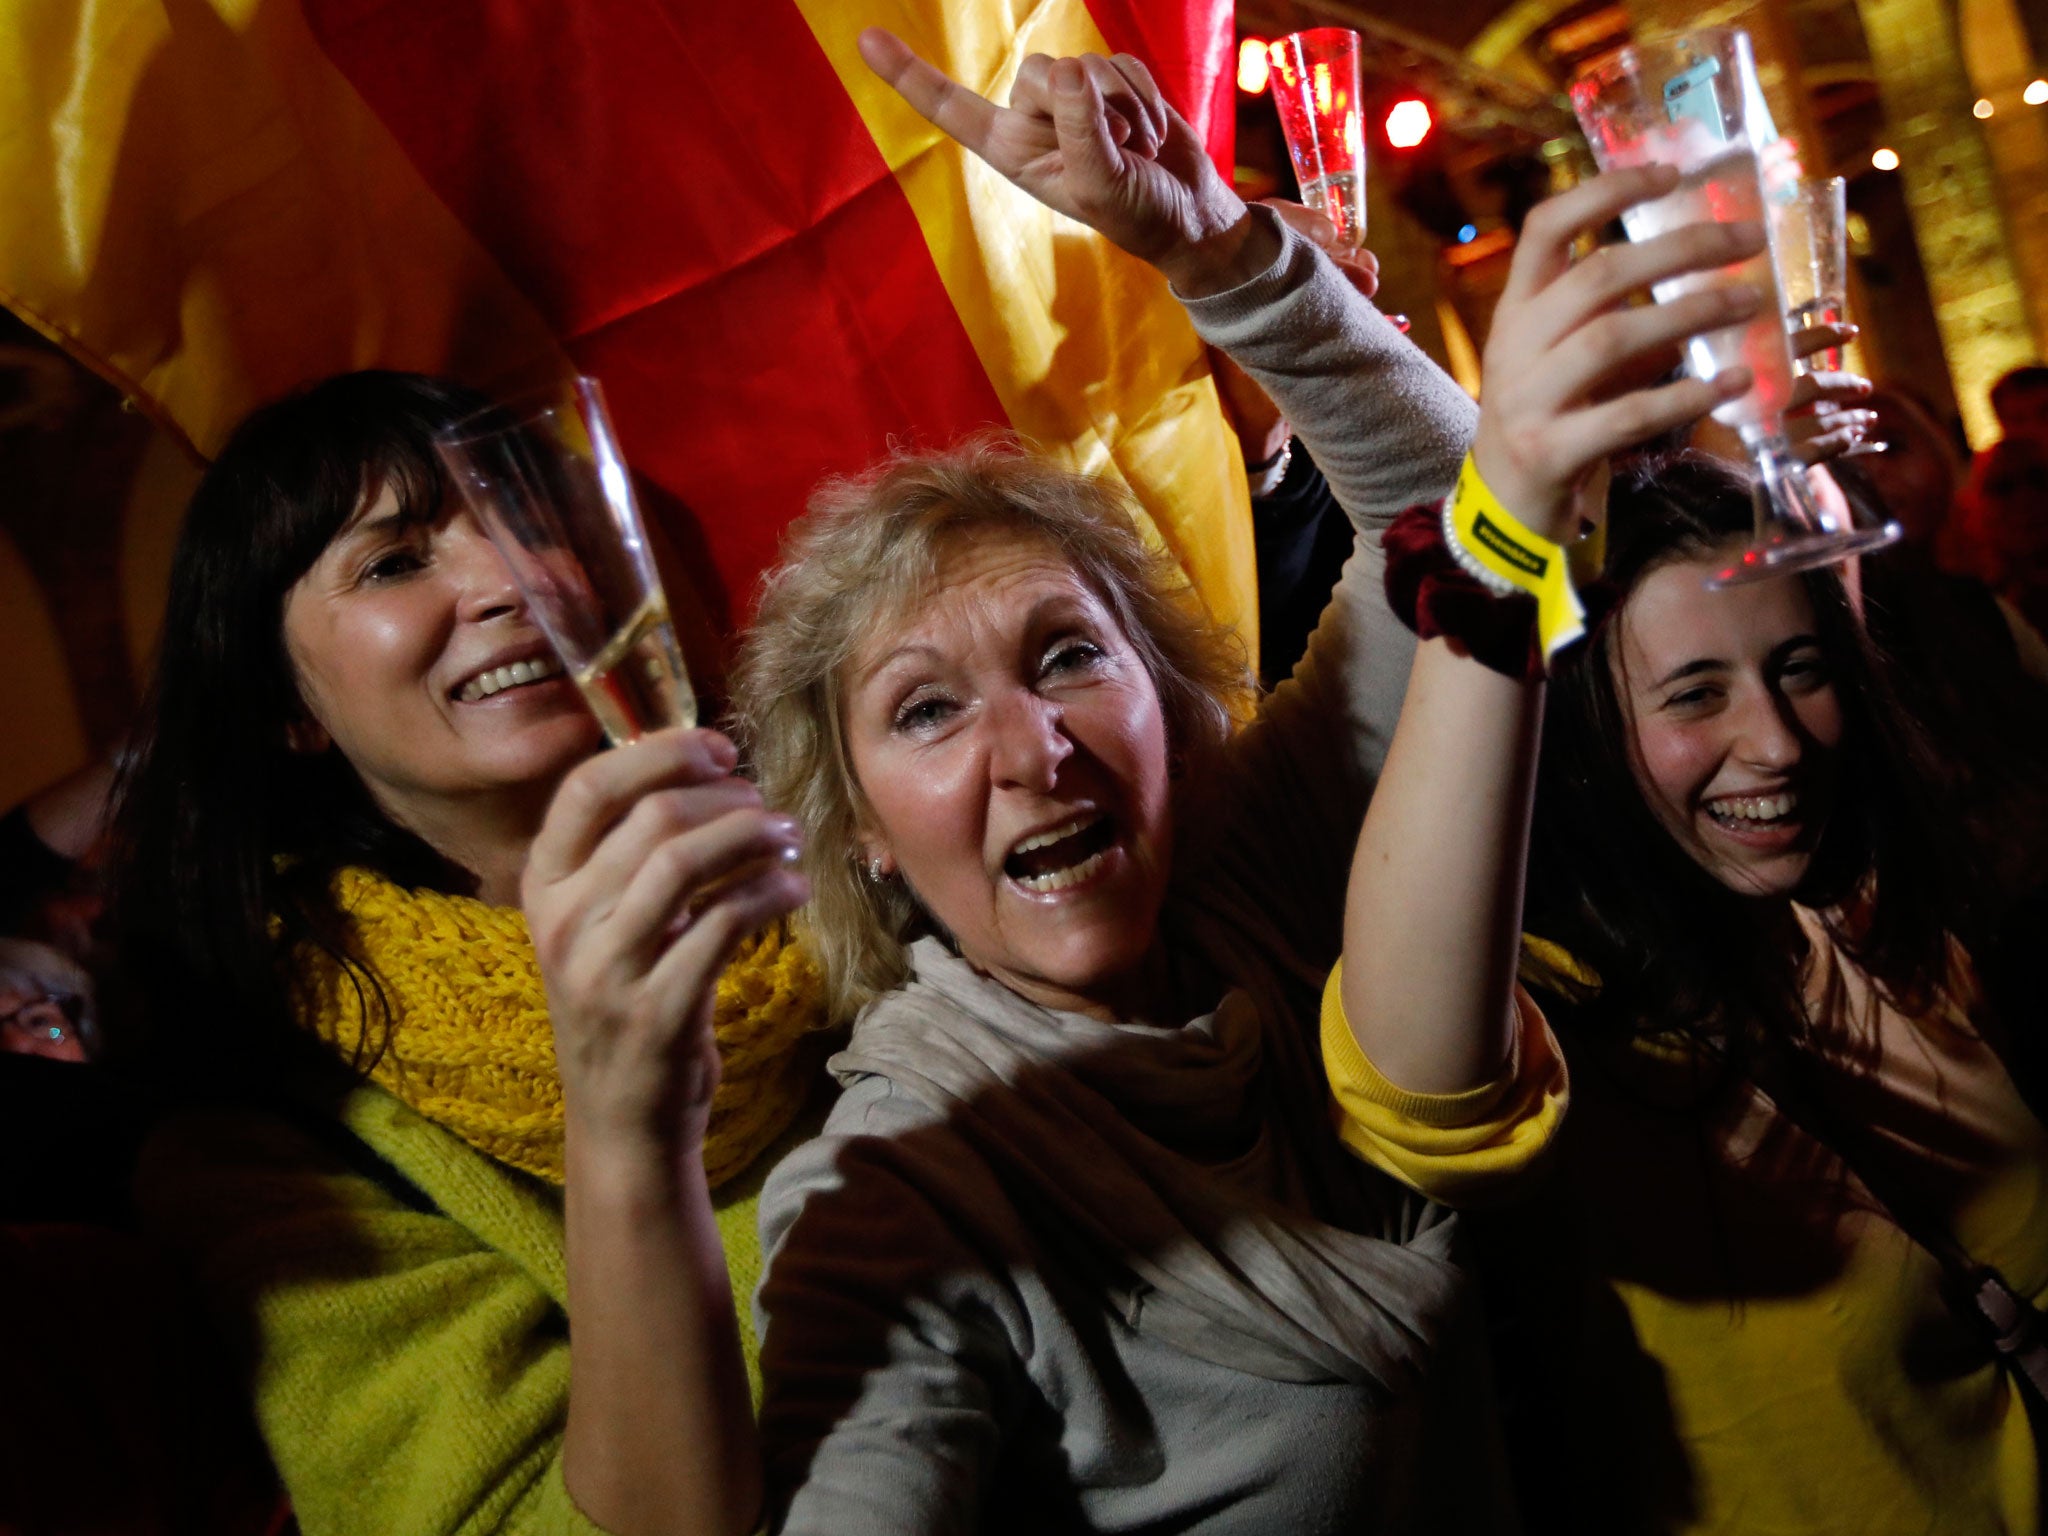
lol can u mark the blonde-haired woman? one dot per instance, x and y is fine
(1078, 1248)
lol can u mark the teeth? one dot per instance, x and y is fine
(1060, 879)
(1047, 839)
(484, 684)
(1754, 807)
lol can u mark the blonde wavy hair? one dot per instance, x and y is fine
(870, 549)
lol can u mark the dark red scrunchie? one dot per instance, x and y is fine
(1435, 596)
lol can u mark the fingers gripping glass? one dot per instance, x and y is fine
(1693, 103)
(544, 478)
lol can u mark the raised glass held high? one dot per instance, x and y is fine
(1687, 103)
(1810, 233)
(1315, 82)
(544, 477)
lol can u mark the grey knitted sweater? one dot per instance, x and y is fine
(1042, 1273)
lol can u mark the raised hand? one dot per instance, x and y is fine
(654, 862)
(1094, 139)
(1564, 330)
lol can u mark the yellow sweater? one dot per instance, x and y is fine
(1726, 1338)
(407, 1349)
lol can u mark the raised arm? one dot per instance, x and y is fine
(654, 863)
(1093, 138)
(1433, 916)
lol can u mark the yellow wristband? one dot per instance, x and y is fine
(1492, 543)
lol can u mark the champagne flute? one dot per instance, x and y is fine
(1315, 81)
(544, 478)
(1687, 103)
(1811, 226)
(1810, 236)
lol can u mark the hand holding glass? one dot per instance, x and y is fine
(544, 478)
(1685, 103)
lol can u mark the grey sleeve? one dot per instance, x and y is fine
(1389, 429)
(887, 1338)
(1386, 425)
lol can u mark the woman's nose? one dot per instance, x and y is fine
(1769, 737)
(1029, 744)
(484, 584)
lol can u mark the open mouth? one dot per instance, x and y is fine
(1744, 813)
(518, 674)
(1062, 856)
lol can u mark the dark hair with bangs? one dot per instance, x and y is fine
(225, 838)
(1677, 952)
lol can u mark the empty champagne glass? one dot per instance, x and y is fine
(1687, 103)
(544, 478)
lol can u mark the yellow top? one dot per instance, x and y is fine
(1720, 1334)
(1454, 1148)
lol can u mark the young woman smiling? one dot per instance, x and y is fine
(412, 1136)
(1784, 1079)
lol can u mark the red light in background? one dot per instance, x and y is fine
(1252, 67)
(1408, 123)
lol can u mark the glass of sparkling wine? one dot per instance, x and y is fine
(543, 476)
(1315, 81)
(1314, 76)
(1811, 236)
(1685, 103)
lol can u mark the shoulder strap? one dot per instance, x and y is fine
(1978, 1293)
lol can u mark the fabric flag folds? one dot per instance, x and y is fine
(776, 268)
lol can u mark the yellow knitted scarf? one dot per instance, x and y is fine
(471, 1046)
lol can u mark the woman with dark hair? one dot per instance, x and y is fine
(1741, 1298)
(409, 1140)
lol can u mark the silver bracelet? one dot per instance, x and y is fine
(1265, 476)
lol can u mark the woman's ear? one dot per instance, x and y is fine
(873, 857)
(307, 736)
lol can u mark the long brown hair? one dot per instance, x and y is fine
(1676, 951)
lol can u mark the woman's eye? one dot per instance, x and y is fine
(1072, 656)
(1691, 698)
(921, 714)
(1803, 674)
(393, 563)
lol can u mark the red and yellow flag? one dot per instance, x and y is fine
(776, 267)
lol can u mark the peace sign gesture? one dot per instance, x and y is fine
(1094, 139)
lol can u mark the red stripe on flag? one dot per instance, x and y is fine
(1187, 45)
(690, 198)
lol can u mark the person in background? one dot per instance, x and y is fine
(46, 1003)
(1300, 535)
(2005, 510)
(49, 855)
(439, 997)
(2020, 401)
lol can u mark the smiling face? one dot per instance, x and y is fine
(1735, 721)
(415, 656)
(1012, 751)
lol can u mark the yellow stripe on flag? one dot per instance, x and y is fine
(202, 209)
(1086, 347)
